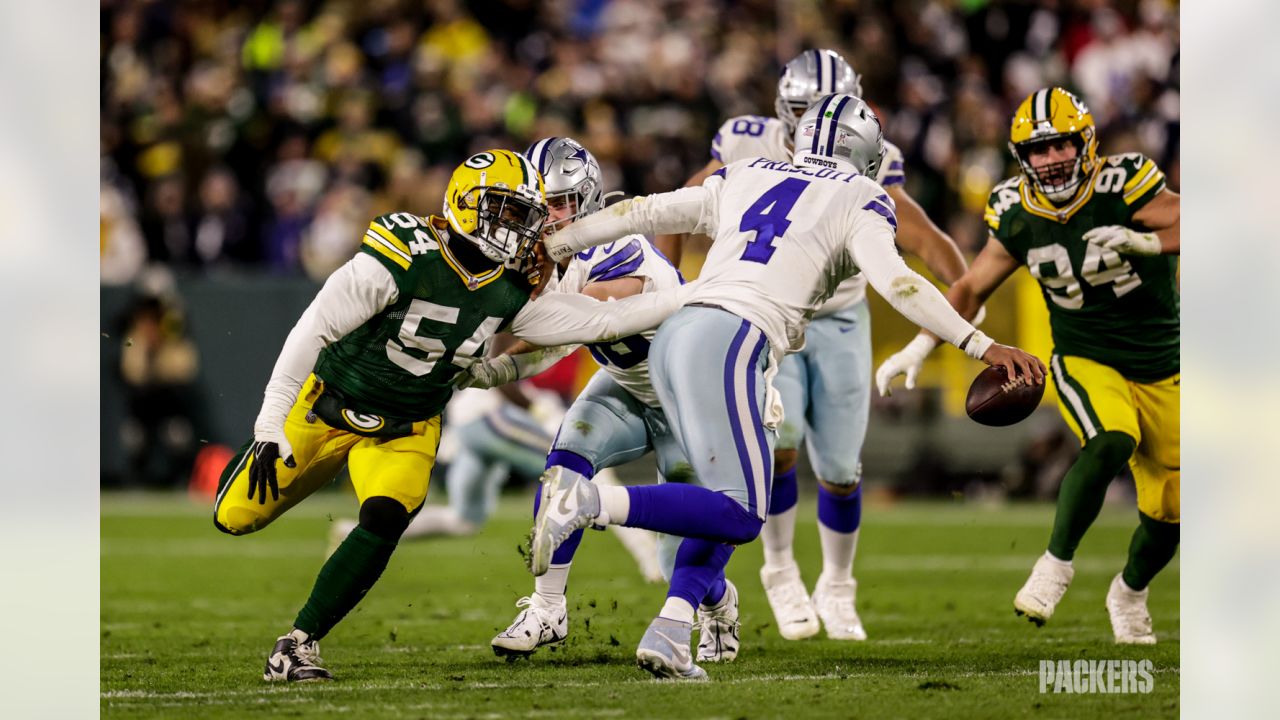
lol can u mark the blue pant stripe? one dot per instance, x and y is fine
(759, 481)
(731, 404)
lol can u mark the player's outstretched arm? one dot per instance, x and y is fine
(1162, 216)
(564, 318)
(523, 359)
(991, 268)
(919, 301)
(918, 235)
(672, 244)
(501, 370)
(685, 210)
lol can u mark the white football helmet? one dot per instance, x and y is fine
(807, 78)
(842, 133)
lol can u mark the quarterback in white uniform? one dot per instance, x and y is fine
(826, 388)
(616, 418)
(785, 236)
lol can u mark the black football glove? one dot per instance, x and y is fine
(262, 471)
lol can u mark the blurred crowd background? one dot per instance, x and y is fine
(258, 138)
(266, 133)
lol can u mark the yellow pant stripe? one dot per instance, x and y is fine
(1074, 398)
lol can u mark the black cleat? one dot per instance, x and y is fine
(295, 659)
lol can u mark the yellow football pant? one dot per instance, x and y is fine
(1096, 398)
(398, 468)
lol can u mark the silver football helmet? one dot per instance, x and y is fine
(807, 78)
(840, 132)
(571, 176)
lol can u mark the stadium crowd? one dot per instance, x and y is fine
(266, 133)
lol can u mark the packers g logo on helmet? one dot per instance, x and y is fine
(1047, 115)
(496, 200)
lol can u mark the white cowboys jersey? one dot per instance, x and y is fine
(626, 359)
(751, 136)
(784, 239)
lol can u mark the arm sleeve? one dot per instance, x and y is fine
(354, 293)
(909, 293)
(687, 210)
(537, 361)
(563, 318)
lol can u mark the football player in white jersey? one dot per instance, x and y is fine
(616, 418)
(826, 388)
(785, 236)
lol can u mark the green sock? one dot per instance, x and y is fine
(345, 578)
(1085, 487)
(1153, 546)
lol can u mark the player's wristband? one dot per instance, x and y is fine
(920, 346)
(976, 344)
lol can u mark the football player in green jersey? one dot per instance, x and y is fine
(367, 370)
(1101, 235)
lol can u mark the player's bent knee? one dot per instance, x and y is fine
(742, 526)
(1112, 448)
(385, 517)
(239, 520)
(784, 459)
(841, 489)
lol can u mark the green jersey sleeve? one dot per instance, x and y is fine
(1003, 197)
(1133, 177)
(394, 239)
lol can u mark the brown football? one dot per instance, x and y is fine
(995, 400)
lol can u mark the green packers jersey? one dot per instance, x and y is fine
(1118, 310)
(400, 362)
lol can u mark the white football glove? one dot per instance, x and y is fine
(487, 373)
(906, 361)
(1124, 240)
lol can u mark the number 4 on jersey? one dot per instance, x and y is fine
(767, 218)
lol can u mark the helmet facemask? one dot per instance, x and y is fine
(1059, 181)
(507, 224)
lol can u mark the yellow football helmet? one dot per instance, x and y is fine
(1047, 115)
(496, 200)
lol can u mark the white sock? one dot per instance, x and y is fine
(837, 552)
(1064, 563)
(551, 585)
(778, 534)
(677, 609)
(615, 505)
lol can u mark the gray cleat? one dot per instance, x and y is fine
(568, 504)
(664, 651)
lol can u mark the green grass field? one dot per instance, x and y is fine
(189, 614)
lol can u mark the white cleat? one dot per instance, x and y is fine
(539, 624)
(568, 504)
(833, 601)
(1043, 590)
(790, 602)
(1130, 619)
(718, 628)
